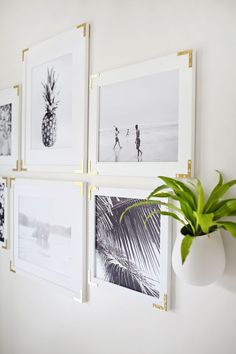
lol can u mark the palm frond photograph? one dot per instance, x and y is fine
(127, 250)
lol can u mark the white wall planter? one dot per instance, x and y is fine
(205, 262)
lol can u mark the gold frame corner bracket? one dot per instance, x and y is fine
(92, 78)
(19, 166)
(11, 268)
(90, 191)
(11, 179)
(86, 28)
(6, 181)
(24, 51)
(188, 52)
(188, 174)
(5, 245)
(162, 307)
(17, 87)
(23, 169)
(90, 172)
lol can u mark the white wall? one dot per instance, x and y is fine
(36, 318)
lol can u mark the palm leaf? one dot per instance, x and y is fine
(120, 271)
(130, 237)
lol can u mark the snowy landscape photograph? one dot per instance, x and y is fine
(138, 119)
(5, 129)
(51, 104)
(2, 211)
(127, 252)
(44, 234)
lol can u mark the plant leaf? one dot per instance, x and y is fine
(188, 214)
(158, 189)
(185, 247)
(218, 205)
(201, 197)
(228, 208)
(166, 213)
(165, 195)
(214, 191)
(216, 194)
(205, 221)
(148, 202)
(228, 226)
(180, 190)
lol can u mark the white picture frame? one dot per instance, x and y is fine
(55, 90)
(100, 273)
(9, 123)
(158, 97)
(48, 232)
(4, 211)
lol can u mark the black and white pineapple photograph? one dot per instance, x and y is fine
(51, 104)
(5, 129)
(44, 233)
(2, 212)
(138, 119)
(127, 251)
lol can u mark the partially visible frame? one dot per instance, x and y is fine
(4, 210)
(9, 123)
(48, 232)
(125, 255)
(55, 90)
(142, 118)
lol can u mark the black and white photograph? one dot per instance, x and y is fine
(44, 234)
(138, 119)
(2, 212)
(5, 129)
(51, 104)
(127, 251)
(54, 103)
(48, 232)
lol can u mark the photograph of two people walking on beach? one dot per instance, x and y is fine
(139, 119)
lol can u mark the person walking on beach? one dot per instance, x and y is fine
(117, 141)
(127, 132)
(138, 141)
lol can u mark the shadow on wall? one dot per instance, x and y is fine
(228, 280)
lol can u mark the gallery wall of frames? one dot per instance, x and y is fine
(141, 123)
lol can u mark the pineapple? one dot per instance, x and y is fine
(49, 123)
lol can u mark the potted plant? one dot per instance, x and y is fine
(198, 255)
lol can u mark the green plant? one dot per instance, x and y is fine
(198, 215)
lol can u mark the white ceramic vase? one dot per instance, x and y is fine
(205, 262)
